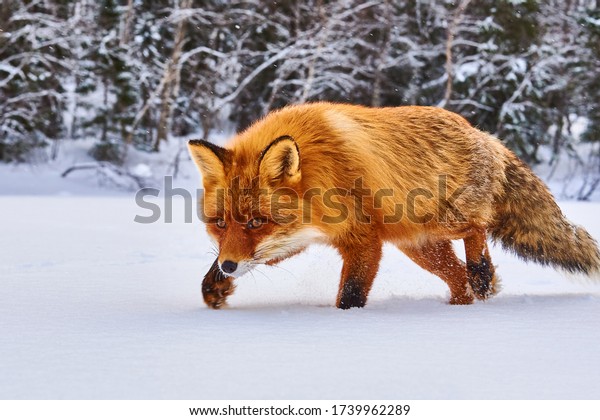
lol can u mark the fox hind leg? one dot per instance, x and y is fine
(439, 258)
(480, 270)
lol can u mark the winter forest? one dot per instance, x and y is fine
(132, 73)
(103, 256)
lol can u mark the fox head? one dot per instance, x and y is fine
(251, 203)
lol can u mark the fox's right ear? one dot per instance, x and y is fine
(210, 159)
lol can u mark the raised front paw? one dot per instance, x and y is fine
(215, 293)
(216, 287)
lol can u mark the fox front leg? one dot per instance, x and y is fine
(361, 264)
(216, 287)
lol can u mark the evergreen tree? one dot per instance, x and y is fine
(494, 86)
(590, 92)
(33, 59)
(108, 75)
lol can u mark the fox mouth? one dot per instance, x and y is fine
(273, 250)
(242, 268)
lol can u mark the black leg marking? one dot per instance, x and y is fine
(353, 295)
(480, 277)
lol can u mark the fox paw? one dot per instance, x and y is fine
(464, 299)
(482, 279)
(215, 294)
(216, 287)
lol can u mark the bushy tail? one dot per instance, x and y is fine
(530, 223)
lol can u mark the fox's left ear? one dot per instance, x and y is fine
(279, 162)
(210, 159)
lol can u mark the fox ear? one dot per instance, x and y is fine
(210, 159)
(279, 162)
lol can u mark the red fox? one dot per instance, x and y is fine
(355, 177)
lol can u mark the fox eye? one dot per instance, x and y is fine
(221, 223)
(255, 223)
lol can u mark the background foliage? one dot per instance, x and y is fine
(132, 72)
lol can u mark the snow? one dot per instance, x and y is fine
(142, 170)
(595, 22)
(42, 177)
(466, 70)
(96, 306)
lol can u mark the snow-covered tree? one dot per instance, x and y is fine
(130, 73)
(107, 79)
(34, 51)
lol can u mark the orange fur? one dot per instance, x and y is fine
(338, 174)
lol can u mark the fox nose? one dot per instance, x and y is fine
(229, 266)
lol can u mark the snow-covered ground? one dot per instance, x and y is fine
(94, 305)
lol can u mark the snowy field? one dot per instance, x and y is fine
(96, 306)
